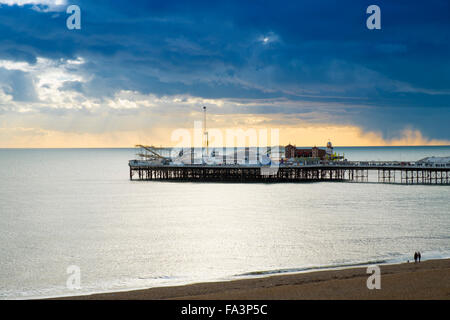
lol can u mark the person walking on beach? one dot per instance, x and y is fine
(415, 257)
(419, 255)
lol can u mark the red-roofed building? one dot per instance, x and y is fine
(291, 151)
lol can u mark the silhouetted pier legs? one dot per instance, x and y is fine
(236, 173)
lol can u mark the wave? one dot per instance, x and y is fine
(399, 258)
(295, 270)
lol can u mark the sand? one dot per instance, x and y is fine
(425, 280)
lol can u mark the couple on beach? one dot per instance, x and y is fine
(417, 256)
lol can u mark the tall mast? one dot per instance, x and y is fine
(205, 132)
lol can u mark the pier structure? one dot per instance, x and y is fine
(427, 176)
(342, 172)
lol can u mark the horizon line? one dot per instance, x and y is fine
(166, 147)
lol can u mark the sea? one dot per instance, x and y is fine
(72, 216)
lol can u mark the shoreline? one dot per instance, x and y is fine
(428, 279)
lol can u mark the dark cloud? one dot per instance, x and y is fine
(18, 84)
(309, 51)
(72, 86)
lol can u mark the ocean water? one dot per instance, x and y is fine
(65, 207)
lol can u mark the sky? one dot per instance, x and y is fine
(137, 71)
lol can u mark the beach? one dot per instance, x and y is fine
(424, 280)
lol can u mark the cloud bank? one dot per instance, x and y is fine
(139, 70)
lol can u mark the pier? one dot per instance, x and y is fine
(339, 172)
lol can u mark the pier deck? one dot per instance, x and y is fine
(344, 172)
